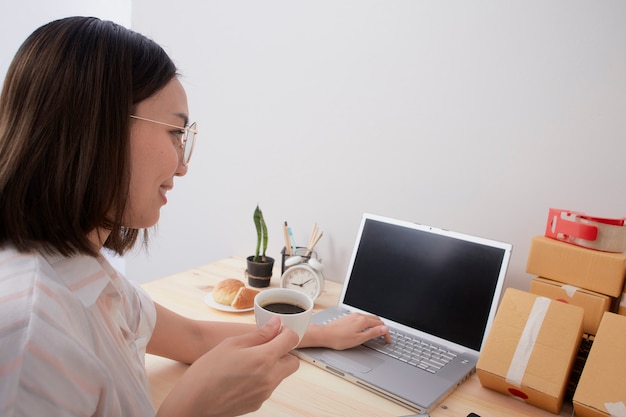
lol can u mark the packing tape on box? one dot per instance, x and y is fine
(570, 290)
(608, 235)
(616, 409)
(526, 343)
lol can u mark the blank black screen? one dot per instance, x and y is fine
(438, 284)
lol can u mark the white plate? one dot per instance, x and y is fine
(208, 300)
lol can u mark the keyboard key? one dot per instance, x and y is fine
(416, 352)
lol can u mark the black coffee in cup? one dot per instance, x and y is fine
(283, 308)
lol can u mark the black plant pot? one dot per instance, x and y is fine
(259, 273)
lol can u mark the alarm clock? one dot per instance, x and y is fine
(306, 277)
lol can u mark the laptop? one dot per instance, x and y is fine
(435, 289)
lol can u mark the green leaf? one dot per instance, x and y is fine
(258, 220)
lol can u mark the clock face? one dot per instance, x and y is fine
(303, 278)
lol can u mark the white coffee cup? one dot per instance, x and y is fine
(292, 307)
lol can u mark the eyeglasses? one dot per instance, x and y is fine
(187, 138)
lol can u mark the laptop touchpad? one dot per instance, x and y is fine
(359, 361)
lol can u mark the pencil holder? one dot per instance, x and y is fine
(300, 251)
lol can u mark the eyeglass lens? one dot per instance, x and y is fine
(189, 143)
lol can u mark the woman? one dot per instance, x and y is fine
(93, 130)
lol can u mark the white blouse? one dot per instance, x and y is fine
(73, 336)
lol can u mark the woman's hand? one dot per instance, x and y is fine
(345, 332)
(235, 377)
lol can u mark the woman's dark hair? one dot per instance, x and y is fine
(64, 133)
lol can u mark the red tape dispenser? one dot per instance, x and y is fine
(608, 235)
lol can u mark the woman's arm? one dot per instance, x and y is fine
(185, 340)
(233, 378)
(234, 366)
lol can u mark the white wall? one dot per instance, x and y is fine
(21, 18)
(475, 116)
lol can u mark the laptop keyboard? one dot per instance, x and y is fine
(409, 349)
(413, 351)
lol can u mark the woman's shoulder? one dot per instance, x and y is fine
(19, 275)
(16, 267)
(28, 284)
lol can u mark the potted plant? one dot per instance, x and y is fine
(259, 266)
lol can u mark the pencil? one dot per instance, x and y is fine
(315, 237)
(286, 237)
(312, 237)
(293, 242)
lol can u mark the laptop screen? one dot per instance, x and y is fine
(428, 279)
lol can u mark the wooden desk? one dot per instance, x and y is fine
(325, 394)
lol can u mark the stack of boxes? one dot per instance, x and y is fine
(591, 279)
(562, 339)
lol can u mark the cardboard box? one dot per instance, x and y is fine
(601, 390)
(621, 309)
(593, 303)
(530, 349)
(593, 270)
